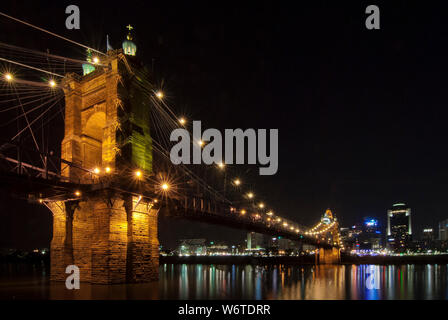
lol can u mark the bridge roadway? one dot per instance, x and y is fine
(189, 207)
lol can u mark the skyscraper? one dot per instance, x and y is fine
(399, 227)
(370, 237)
(443, 230)
(255, 241)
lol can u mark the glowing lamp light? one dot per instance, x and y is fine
(250, 195)
(52, 83)
(96, 60)
(108, 169)
(41, 200)
(159, 94)
(96, 170)
(155, 200)
(165, 186)
(285, 224)
(8, 77)
(138, 174)
(237, 182)
(243, 212)
(270, 213)
(182, 121)
(261, 205)
(221, 165)
(77, 193)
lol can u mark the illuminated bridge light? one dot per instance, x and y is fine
(8, 77)
(250, 195)
(261, 205)
(159, 94)
(165, 186)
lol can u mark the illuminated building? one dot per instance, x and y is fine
(443, 230)
(428, 239)
(192, 247)
(370, 237)
(399, 227)
(428, 234)
(219, 249)
(255, 241)
(350, 237)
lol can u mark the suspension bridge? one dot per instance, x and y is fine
(113, 176)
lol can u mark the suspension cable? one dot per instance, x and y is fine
(51, 33)
(30, 67)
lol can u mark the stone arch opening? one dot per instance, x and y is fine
(93, 140)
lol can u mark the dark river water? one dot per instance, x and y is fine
(183, 281)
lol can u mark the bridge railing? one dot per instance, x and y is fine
(23, 160)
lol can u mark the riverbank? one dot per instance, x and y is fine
(238, 260)
(304, 260)
(410, 259)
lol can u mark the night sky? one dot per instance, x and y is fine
(361, 113)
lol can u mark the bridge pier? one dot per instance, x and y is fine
(111, 239)
(328, 256)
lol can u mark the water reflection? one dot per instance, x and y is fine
(370, 282)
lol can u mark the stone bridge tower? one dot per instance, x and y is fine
(110, 235)
(330, 255)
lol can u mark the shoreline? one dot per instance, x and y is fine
(304, 260)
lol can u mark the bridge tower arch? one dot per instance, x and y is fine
(110, 235)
